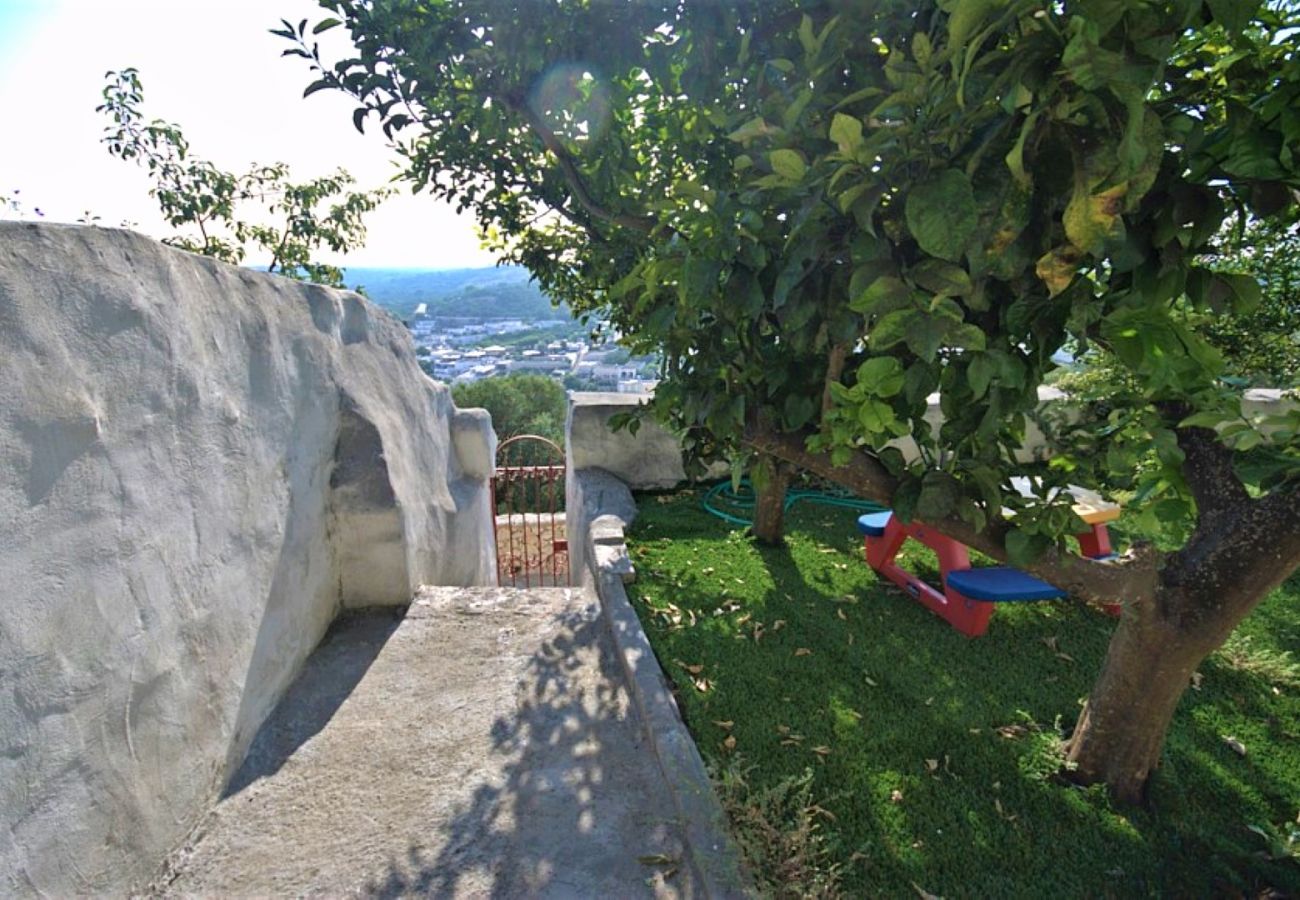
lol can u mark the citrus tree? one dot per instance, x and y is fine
(293, 220)
(821, 215)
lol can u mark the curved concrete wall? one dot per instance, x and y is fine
(200, 466)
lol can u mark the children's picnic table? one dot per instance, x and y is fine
(968, 595)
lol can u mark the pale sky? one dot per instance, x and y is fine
(211, 67)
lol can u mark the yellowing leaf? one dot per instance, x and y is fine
(1090, 219)
(1057, 267)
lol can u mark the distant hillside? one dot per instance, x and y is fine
(503, 292)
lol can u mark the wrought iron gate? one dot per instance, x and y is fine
(528, 507)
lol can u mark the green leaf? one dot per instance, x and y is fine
(882, 376)
(922, 49)
(1246, 292)
(942, 215)
(325, 25)
(1234, 15)
(939, 494)
(754, 128)
(846, 132)
(799, 409)
(875, 416)
(884, 295)
(967, 17)
(788, 164)
(1023, 548)
(893, 328)
(942, 279)
(979, 373)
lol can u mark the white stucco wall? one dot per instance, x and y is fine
(200, 466)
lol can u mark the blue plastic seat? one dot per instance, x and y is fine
(1000, 584)
(873, 524)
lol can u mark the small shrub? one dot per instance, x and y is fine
(779, 831)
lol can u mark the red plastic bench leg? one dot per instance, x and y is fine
(1095, 544)
(882, 550)
(970, 617)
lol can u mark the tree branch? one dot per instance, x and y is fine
(1232, 561)
(568, 168)
(1207, 466)
(1129, 579)
(834, 369)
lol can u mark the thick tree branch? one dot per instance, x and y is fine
(1131, 578)
(1233, 559)
(834, 369)
(572, 177)
(1207, 468)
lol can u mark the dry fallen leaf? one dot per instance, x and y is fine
(932, 765)
(692, 669)
(1197, 678)
(1051, 643)
(822, 751)
(1011, 731)
(803, 651)
(870, 681)
(840, 613)
(728, 724)
(895, 796)
(778, 625)
(730, 743)
(1235, 745)
(656, 859)
(702, 684)
(923, 893)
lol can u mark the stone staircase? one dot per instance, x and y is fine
(481, 743)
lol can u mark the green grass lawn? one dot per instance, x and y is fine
(932, 754)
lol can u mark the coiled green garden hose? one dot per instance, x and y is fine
(742, 499)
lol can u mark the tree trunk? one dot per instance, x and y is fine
(1121, 731)
(770, 484)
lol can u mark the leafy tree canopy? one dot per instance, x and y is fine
(821, 214)
(518, 404)
(296, 220)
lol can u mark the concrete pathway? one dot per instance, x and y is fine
(482, 744)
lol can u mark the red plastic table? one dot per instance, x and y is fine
(884, 536)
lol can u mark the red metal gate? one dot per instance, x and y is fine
(528, 507)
